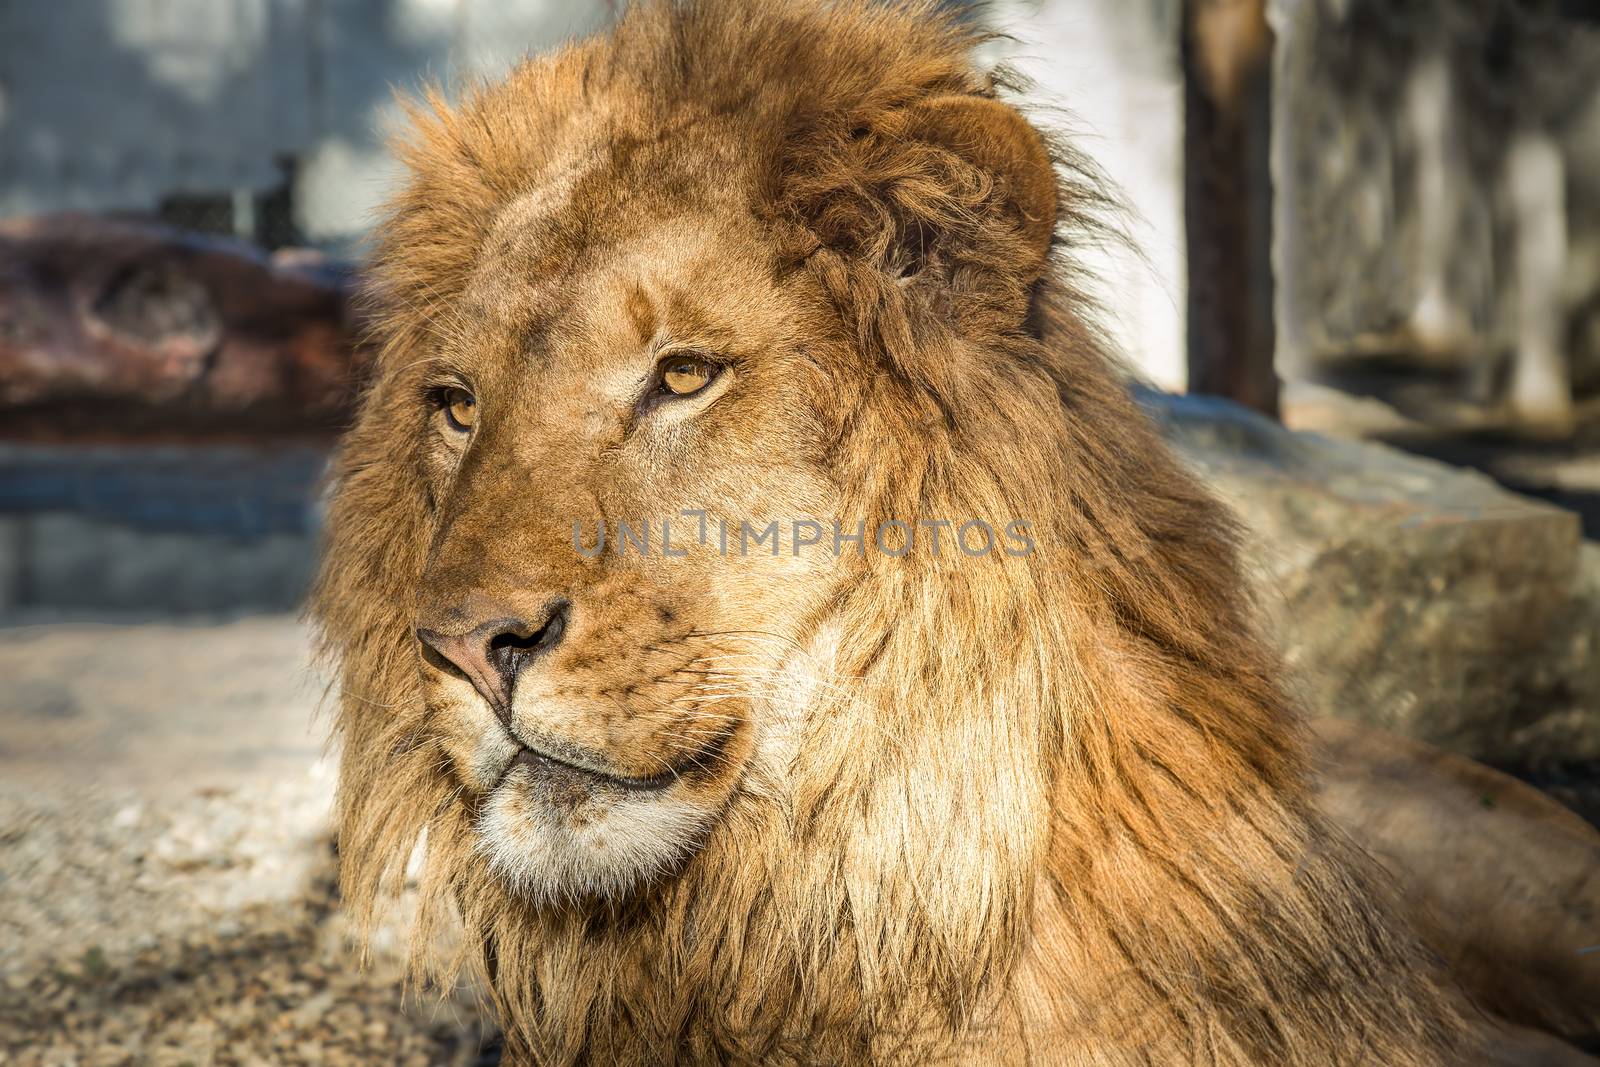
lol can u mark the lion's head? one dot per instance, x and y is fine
(637, 437)
(747, 565)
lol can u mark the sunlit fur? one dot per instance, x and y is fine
(1048, 809)
(552, 863)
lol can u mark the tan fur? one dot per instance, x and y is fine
(1047, 809)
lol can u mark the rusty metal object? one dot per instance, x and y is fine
(131, 325)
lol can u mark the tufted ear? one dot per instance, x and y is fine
(993, 137)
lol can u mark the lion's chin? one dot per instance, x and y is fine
(552, 842)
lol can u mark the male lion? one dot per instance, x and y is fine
(1034, 795)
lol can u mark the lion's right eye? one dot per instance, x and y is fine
(460, 409)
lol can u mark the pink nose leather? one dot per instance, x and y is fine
(493, 653)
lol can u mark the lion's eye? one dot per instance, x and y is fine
(686, 375)
(460, 409)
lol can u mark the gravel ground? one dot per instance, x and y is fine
(199, 930)
(167, 874)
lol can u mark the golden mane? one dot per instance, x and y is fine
(1062, 799)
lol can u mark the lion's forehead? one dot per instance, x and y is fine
(549, 289)
(603, 193)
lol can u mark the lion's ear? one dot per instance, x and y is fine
(993, 137)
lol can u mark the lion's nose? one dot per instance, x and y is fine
(492, 654)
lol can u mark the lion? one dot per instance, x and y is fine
(695, 338)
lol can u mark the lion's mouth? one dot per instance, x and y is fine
(542, 764)
(577, 769)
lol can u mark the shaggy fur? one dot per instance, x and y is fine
(1046, 809)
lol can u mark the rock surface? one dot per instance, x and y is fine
(1411, 595)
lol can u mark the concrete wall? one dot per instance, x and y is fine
(117, 104)
(195, 528)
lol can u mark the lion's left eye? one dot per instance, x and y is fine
(686, 375)
(460, 409)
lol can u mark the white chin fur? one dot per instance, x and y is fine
(604, 849)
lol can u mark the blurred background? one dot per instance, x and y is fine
(1362, 290)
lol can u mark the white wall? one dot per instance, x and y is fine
(1112, 67)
